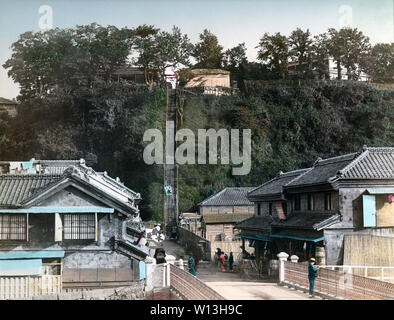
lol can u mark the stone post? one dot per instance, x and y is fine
(294, 258)
(150, 264)
(179, 264)
(170, 260)
(282, 258)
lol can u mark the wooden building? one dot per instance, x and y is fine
(349, 195)
(63, 218)
(223, 210)
(210, 81)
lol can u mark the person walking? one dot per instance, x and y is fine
(222, 261)
(231, 261)
(217, 256)
(192, 266)
(312, 274)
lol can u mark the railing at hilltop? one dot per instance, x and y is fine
(334, 283)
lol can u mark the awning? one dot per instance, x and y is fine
(19, 254)
(381, 190)
(296, 237)
(20, 267)
(258, 244)
(92, 209)
(253, 237)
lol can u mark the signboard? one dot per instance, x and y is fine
(280, 212)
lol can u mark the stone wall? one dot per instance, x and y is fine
(334, 241)
(213, 232)
(186, 236)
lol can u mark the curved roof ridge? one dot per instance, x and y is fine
(381, 149)
(343, 157)
(299, 176)
(353, 163)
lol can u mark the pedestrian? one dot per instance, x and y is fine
(312, 274)
(222, 261)
(217, 256)
(192, 266)
(231, 261)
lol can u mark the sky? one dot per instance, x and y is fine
(233, 21)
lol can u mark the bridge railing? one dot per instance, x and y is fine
(190, 287)
(337, 284)
(374, 272)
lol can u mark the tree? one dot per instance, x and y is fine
(348, 47)
(236, 62)
(274, 51)
(379, 64)
(66, 58)
(320, 56)
(300, 47)
(235, 56)
(173, 48)
(158, 50)
(144, 43)
(208, 52)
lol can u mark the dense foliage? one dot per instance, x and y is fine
(71, 106)
(291, 127)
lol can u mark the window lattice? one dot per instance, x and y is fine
(13, 227)
(79, 226)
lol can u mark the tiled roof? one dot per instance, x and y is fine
(257, 223)
(323, 170)
(22, 189)
(235, 196)
(225, 217)
(275, 185)
(304, 220)
(373, 163)
(16, 188)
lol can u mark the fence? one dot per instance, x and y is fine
(374, 272)
(338, 284)
(190, 287)
(19, 287)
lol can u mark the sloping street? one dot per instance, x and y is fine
(231, 286)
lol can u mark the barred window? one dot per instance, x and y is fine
(79, 227)
(13, 227)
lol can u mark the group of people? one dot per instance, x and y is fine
(222, 258)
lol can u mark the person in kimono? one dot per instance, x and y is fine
(312, 274)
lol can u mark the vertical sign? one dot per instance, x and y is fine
(280, 212)
(95, 227)
(58, 228)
